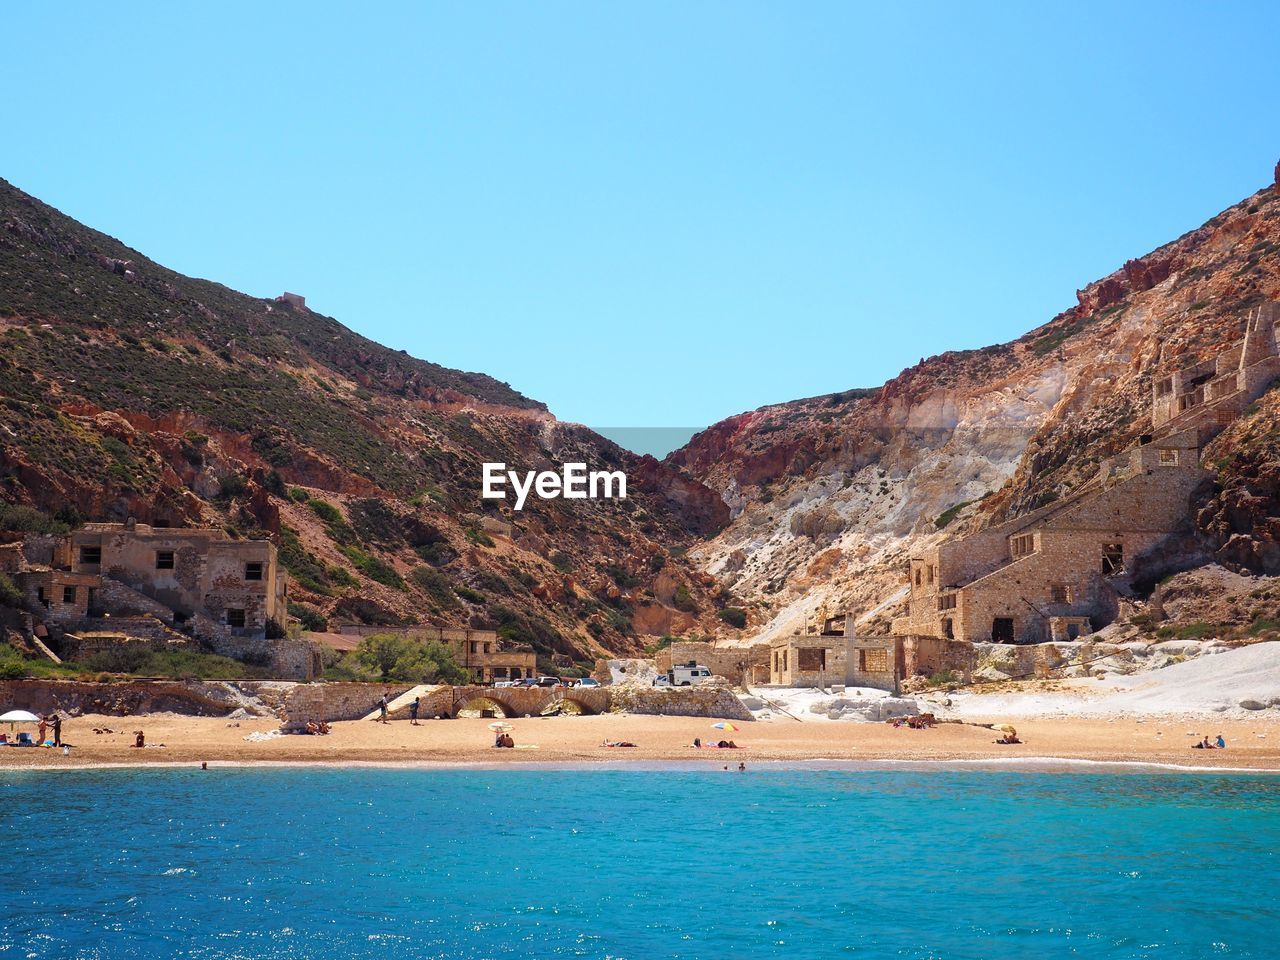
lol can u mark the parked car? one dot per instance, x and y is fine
(586, 682)
(506, 683)
(527, 682)
(547, 682)
(662, 680)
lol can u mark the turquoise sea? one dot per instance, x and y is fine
(637, 863)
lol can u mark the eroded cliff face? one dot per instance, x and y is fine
(830, 496)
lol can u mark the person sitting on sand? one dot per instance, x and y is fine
(1009, 738)
(697, 742)
(1221, 744)
(616, 743)
(139, 739)
(1203, 745)
(504, 740)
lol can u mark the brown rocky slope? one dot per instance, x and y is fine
(131, 390)
(830, 495)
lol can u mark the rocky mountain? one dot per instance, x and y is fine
(131, 390)
(830, 495)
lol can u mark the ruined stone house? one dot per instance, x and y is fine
(218, 586)
(829, 651)
(1052, 575)
(128, 584)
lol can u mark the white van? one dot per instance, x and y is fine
(684, 674)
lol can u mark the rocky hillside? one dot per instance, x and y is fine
(129, 389)
(831, 495)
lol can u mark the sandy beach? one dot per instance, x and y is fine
(1252, 744)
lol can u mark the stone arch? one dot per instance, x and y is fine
(481, 703)
(576, 706)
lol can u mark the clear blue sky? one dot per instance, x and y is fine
(648, 214)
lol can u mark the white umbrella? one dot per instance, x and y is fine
(19, 716)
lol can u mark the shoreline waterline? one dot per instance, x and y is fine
(1031, 764)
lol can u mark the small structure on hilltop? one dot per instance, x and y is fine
(487, 656)
(294, 301)
(830, 651)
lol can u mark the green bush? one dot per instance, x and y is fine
(143, 662)
(310, 617)
(373, 568)
(23, 519)
(10, 595)
(950, 514)
(435, 585)
(395, 656)
(233, 486)
(734, 616)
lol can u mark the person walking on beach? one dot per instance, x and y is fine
(413, 711)
(382, 708)
(57, 729)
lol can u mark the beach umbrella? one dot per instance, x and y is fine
(724, 725)
(500, 725)
(1007, 728)
(18, 716)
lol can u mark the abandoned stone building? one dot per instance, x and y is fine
(168, 587)
(1215, 392)
(1052, 575)
(221, 587)
(829, 651)
(484, 654)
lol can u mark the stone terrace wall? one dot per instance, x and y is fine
(208, 698)
(335, 701)
(716, 702)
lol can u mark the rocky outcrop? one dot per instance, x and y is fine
(718, 702)
(201, 698)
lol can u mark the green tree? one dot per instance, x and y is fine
(395, 656)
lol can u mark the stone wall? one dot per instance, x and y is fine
(335, 701)
(206, 698)
(122, 600)
(926, 656)
(717, 702)
(287, 659)
(732, 663)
